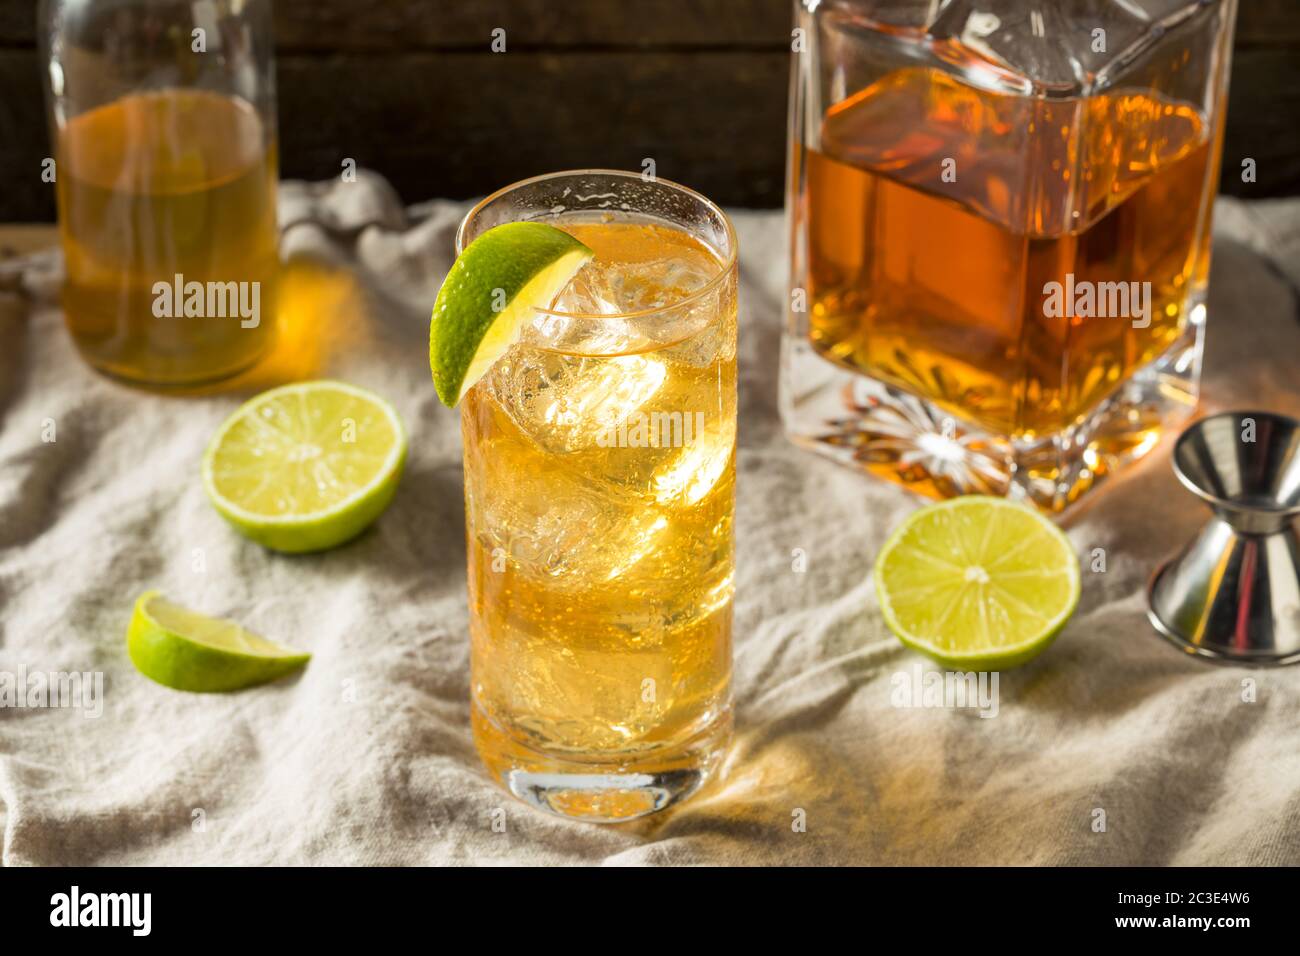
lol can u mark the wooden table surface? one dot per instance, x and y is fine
(415, 91)
(19, 238)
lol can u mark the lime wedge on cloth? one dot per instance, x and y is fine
(188, 651)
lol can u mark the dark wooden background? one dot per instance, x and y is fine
(411, 88)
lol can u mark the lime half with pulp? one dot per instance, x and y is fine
(490, 292)
(306, 467)
(188, 651)
(977, 583)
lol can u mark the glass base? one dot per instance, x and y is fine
(893, 434)
(192, 383)
(616, 789)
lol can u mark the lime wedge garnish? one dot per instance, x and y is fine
(305, 467)
(977, 583)
(189, 651)
(492, 289)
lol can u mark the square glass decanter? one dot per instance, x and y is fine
(999, 218)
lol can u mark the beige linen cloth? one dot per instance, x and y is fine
(366, 757)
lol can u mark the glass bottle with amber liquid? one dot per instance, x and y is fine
(162, 119)
(1000, 220)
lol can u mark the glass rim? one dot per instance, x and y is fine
(725, 269)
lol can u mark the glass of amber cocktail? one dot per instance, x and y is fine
(599, 499)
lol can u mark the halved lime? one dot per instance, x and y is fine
(977, 583)
(188, 651)
(306, 467)
(492, 289)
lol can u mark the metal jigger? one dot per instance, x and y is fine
(1233, 594)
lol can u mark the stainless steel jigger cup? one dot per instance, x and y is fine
(1233, 594)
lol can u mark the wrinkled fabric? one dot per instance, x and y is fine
(1111, 748)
